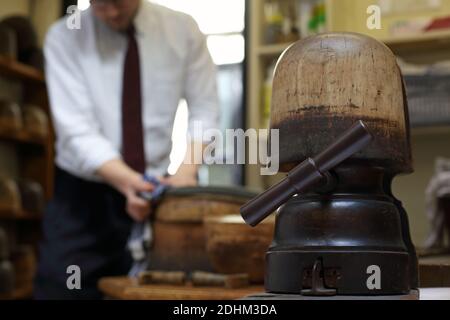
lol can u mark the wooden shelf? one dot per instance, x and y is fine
(19, 215)
(428, 41)
(22, 137)
(20, 71)
(439, 39)
(433, 40)
(430, 130)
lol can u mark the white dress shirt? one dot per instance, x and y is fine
(84, 71)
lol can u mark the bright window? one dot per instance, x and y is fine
(212, 16)
(83, 4)
(223, 23)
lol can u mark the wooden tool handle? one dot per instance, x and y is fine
(306, 174)
(232, 281)
(162, 277)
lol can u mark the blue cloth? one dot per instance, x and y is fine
(141, 237)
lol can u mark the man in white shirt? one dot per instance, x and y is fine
(114, 87)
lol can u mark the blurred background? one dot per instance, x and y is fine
(245, 38)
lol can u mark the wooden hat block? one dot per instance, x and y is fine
(352, 238)
(325, 83)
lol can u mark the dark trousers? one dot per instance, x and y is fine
(85, 225)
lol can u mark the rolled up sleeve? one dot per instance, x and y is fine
(77, 129)
(201, 84)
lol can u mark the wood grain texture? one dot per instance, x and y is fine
(195, 208)
(230, 281)
(179, 247)
(162, 277)
(125, 288)
(325, 83)
(235, 247)
(179, 233)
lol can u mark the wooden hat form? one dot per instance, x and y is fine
(324, 84)
(337, 221)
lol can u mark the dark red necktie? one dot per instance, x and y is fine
(132, 132)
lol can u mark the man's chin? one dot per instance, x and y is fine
(118, 26)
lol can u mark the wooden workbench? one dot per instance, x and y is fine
(125, 288)
(434, 274)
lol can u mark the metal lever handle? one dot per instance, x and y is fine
(306, 174)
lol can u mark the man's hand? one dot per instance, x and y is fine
(138, 208)
(129, 183)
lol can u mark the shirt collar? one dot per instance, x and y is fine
(144, 17)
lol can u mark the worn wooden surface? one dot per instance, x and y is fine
(127, 289)
(434, 274)
(323, 84)
(229, 236)
(179, 247)
(124, 288)
(162, 277)
(195, 208)
(179, 233)
(230, 281)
